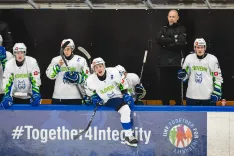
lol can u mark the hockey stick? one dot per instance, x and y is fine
(81, 49)
(182, 82)
(87, 128)
(64, 60)
(142, 69)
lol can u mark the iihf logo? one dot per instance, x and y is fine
(198, 78)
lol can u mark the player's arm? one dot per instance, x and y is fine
(139, 88)
(164, 40)
(180, 39)
(8, 79)
(92, 96)
(123, 87)
(76, 77)
(35, 80)
(53, 69)
(217, 79)
(184, 73)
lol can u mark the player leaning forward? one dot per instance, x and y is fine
(21, 74)
(107, 87)
(4, 57)
(65, 90)
(204, 74)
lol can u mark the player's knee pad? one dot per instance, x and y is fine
(125, 114)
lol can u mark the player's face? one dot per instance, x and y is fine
(200, 50)
(172, 17)
(67, 51)
(99, 69)
(20, 56)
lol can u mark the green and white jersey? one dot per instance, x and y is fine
(203, 75)
(132, 80)
(3, 63)
(22, 79)
(64, 90)
(110, 88)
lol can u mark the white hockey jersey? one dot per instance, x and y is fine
(8, 57)
(203, 74)
(109, 88)
(25, 78)
(63, 90)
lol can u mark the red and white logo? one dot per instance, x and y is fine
(35, 73)
(216, 73)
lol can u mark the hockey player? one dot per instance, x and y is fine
(107, 87)
(136, 90)
(65, 90)
(4, 57)
(22, 74)
(204, 76)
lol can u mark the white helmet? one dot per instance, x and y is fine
(1, 40)
(199, 42)
(121, 69)
(19, 47)
(71, 44)
(97, 61)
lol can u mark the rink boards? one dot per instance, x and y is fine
(162, 131)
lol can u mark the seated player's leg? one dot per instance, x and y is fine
(21, 101)
(207, 103)
(125, 119)
(192, 102)
(72, 101)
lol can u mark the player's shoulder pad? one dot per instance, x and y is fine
(79, 58)
(91, 78)
(113, 70)
(212, 57)
(10, 62)
(133, 76)
(57, 58)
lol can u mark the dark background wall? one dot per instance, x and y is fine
(121, 37)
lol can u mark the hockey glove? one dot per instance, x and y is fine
(2, 53)
(182, 74)
(73, 77)
(216, 94)
(7, 101)
(86, 100)
(128, 99)
(56, 69)
(96, 100)
(35, 99)
(140, 91)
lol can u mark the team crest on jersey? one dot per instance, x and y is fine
(111, 95)
(198, 78)
(21, 84)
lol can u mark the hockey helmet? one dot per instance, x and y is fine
(19, 47)
(121, 69)
(97, 61)
(1, 40)
(199, 42)
(71, 44)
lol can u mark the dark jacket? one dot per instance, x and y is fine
(172, 40)
(6, 36)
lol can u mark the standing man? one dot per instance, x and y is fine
(6, 35)
(204, 76)
(172, 40)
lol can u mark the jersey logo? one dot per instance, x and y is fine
(112, 77)
(198, 78)
(35, 73)
(216, 73)
(78, 60)
(111, 95)
(21, 84)
(122, 81)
